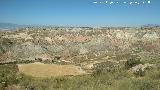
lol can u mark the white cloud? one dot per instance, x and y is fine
(95, 2)
(149, 1)
(111, 2)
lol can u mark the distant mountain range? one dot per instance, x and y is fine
(152, 25)
(8, 25)
(12, 26)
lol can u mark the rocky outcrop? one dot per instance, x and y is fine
(142, 67)
(72, 43)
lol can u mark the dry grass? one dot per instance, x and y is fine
(48, 70)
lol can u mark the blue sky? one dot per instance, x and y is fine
(79, 12)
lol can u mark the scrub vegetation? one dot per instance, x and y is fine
(80, 58)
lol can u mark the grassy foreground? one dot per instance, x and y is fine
(115, 79)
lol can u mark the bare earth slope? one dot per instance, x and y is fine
(83, 46)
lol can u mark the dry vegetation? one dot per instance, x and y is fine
(49, 70)
(116, 58)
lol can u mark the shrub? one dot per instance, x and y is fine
(102, 68)
(132, 62)
(145, 84)
(8, 75)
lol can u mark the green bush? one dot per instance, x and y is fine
(132, 62)
(105, 67)
(8, 75)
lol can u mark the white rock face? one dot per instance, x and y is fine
(141, 67)
(48, 39)
(19, 36)
(124, 35)
(83, 50)
(150, 36)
